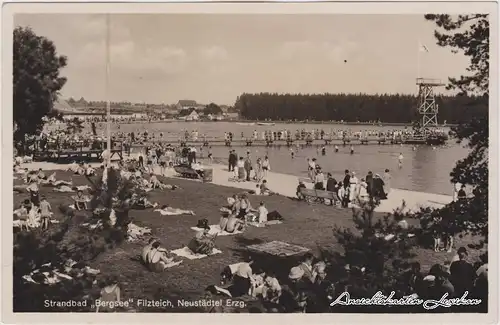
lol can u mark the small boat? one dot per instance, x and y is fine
(266, 124)
(246, 124)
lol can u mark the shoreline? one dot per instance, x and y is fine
(286, 184)
(407, 124)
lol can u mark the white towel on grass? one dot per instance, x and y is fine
(215, 229)
(187, 253)
(172, 213)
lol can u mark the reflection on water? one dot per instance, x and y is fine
(424, 169)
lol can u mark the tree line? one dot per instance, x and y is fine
(386, 108)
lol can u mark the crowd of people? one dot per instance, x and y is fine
(351, 189)
(311, 285)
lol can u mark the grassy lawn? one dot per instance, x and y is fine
(304, 225)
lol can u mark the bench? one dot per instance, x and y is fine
(186, 172)
(313, 195)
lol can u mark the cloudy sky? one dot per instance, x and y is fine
(161, 58)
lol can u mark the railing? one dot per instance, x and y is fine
(430, 82)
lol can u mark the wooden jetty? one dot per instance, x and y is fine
(294, 142)
(76, 152)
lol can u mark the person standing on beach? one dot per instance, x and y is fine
(240, 169)
(387, 182)
(248, 167)
(347, 179)
(266, 166)
(230, 161)
(193, 154)
(311, 168)
(163, 163)
(369, 183)
(319, 180)
(258, 170)
(353, 185)
(45, 211)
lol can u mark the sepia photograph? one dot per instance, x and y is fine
(251, 163)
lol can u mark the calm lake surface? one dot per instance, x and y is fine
(424, 169)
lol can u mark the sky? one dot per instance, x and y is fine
(162, 58)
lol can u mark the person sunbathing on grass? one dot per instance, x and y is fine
(141, 202)
(73, 167)
(231, 224)
(157, 259)
(22, 215)
(146, 249)
(34, 192)
(89, 171)
(166, 210)
(30, 177)
(203, 242)
(264, 190)
(80, 200)
(242, 207)
(41, 175)
(155, 183)
(51, 181)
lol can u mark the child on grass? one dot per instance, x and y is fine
(45, 211)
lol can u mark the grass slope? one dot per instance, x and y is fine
(305, 225)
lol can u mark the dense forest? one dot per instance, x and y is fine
(353, 107)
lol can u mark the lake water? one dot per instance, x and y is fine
(424, 169)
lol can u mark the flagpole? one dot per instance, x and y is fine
(108, 104)
(418, 58)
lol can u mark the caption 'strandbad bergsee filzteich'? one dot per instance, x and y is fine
(251, 163)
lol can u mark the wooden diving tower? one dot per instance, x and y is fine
(427, 107)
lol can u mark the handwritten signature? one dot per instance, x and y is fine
(379, 299)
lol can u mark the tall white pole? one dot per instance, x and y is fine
(108, 104)
(419, 49)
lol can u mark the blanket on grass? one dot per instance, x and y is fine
(187, 253)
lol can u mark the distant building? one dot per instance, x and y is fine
(215, 117)
(186, 104)
(232, 116)
(193, 116)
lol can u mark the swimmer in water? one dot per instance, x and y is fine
(414, 148)
(336, 148)
(400, 160)
(323, 151)
(352, 150)
(292, 153)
